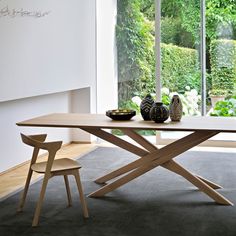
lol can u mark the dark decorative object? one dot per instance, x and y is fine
(121, 114)
(176, 108)
(159, 112)
(146, 106)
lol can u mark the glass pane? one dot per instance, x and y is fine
(135, 51)
(180, 66)
(221, 56)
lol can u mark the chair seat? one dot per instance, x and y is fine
(58, 165)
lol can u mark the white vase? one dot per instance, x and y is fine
(176, 108)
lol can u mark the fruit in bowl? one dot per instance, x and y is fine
(121, 114)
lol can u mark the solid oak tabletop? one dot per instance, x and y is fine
(78, 120)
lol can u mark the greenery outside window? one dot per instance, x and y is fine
(181, 70)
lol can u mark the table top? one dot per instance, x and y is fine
(77, 120)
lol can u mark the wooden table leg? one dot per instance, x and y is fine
(142, 170)
(155, 158)
(150, 147)
(158, 157)
(122, 144)
(198, 183)
(140, 152)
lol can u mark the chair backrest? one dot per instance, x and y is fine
(33, 140)
(37, 142)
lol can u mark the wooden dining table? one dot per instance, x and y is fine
(149, 156)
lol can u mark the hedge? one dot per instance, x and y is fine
(135, 37)
(180, 68)
(223, 65)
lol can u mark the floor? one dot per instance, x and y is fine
(167, 207)
(13, 180)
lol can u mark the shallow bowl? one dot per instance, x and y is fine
(121, 114)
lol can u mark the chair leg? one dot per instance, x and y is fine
(40, 201)
(25, 191)
(68, 190)
(81, 194)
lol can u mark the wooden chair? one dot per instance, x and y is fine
(50, 168)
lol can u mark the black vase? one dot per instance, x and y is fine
(159, 112)
(146, 106)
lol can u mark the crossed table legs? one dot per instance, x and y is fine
(152, 157)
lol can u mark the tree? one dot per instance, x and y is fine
(220, 14)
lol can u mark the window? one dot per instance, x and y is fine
(195, 53)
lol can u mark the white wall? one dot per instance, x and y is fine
(97, 92)
(80, 103)
(47, 53)
(107, 91)
(12, 151)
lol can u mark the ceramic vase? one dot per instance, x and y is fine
(176, 108)
(159, 112)
(146, 106)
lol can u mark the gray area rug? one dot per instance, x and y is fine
(158, 203)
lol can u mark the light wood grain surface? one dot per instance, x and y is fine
(74, 120)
